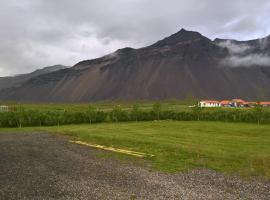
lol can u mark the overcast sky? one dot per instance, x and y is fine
(39, 33)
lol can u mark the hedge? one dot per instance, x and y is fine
(36, 118)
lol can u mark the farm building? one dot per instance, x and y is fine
(3, 108)
(252, 104)
(239, 103)
(265, 104)
(209, 103)
(231, 103)
(225, 103)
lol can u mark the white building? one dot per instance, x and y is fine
(3, 108)
(209, 103)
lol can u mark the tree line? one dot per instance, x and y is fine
(24, 118)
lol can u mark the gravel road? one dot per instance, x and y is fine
(48, 166)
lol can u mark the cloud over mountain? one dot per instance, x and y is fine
(37, 33)
(246, 54)
(247, 60)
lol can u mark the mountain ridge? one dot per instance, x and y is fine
(19, 79)
(183, 65)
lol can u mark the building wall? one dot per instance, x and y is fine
(207, 104)
(3, 108)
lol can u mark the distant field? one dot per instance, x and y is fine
(108, 106)
(238, 148)
(105, 106)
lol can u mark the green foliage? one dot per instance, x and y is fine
(118, 114)
(157, 110)
(135, 113)
(21, 117)
(197, 111)
(92, 114)
(258, 110)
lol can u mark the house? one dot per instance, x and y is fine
(239, 103)
(209, 103)
(265, 104)
(3, 108)
(252, 103)
(233, 103)
(225, 103)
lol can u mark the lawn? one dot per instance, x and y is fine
(234, 148)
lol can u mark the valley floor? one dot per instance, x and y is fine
(47, 166)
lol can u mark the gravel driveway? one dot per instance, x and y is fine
(47, 166)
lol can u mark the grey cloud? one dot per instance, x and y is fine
(37, 33)
(240, 54)
(264, 42)
(233, 47)
(248, 60)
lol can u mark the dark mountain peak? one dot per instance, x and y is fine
(44, 70)
(126, 50)
(181, 36)
(104, 60)
(50, 69)
(185, 31)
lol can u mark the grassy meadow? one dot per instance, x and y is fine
(234, 148)
(104, 106)
(170, 105)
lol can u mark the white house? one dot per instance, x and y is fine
(3, 108)
(209, 103)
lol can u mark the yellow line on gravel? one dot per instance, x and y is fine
(128, 152)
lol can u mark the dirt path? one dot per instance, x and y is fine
(46, 166)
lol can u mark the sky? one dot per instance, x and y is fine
(39, 33)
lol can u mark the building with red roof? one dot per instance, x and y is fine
(239, 103)
(265, 104)
(225, 103)
(231, 103)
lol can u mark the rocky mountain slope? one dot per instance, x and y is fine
(184, 65)
(18, 80)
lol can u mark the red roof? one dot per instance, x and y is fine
(238, 101)
(225, 102)
(209, 101)
(265, 103)
(251, 102)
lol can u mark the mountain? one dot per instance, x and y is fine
(183, 65)
(18, 80)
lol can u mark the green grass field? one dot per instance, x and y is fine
(174, 105)
(234, 148)
(105, 106)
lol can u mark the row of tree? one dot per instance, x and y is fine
(23, 117)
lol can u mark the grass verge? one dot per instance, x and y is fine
(237, 148)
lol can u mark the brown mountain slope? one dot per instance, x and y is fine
(18, 80)
(181, 66)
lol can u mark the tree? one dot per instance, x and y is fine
(20, 116)
(92, 114)
(258, 112)
(57, 117)
(40, 117)
(116, 113)
(157, 110)
(197, 111)
(135, 112)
